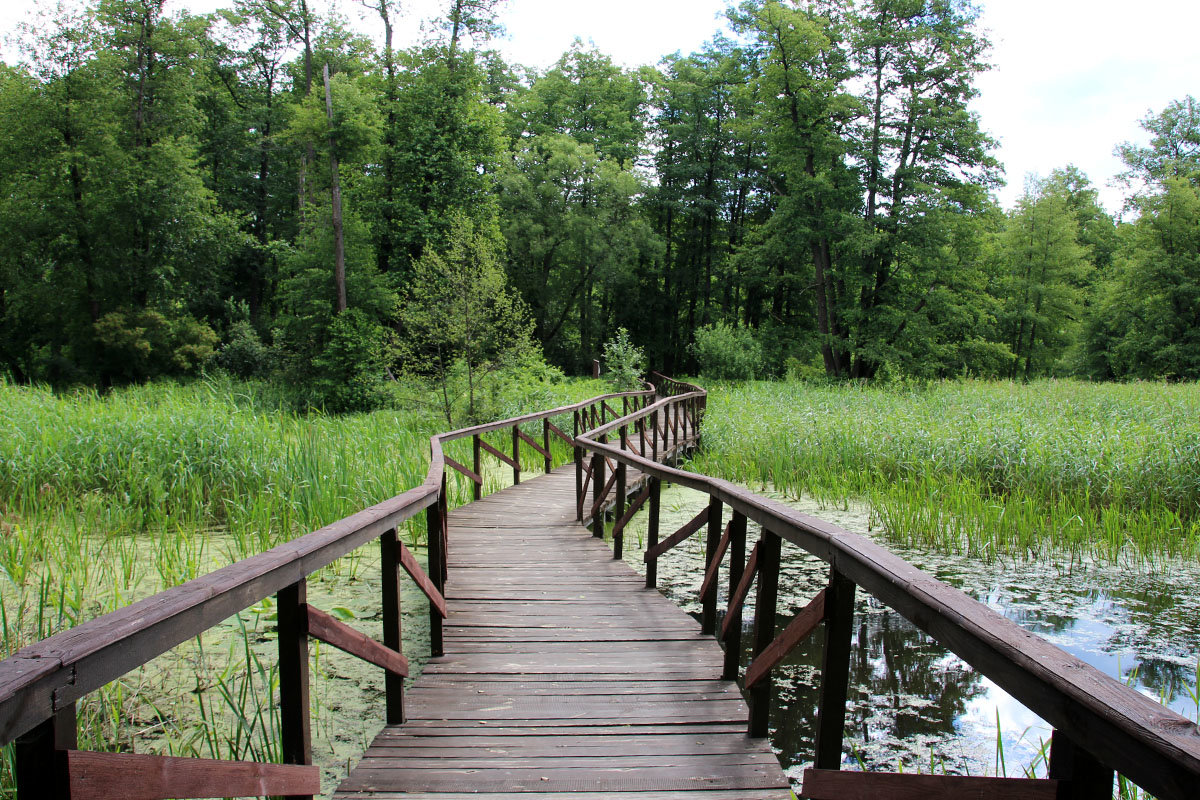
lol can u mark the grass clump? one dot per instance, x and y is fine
(986, 468)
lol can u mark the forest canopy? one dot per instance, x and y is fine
(264, 191)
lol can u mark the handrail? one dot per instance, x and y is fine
(41, 683)
(1107, 724)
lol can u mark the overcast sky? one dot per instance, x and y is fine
(1071, 78)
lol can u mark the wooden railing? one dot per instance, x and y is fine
(40, 685)
(1100, 725)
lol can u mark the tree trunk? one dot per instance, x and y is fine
(335, 191)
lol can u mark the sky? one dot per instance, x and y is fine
(1070, 79)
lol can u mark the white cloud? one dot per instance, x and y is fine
(1072, 79)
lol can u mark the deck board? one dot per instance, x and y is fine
(563, 677)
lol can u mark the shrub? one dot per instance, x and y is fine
(351, 370)
(142, 344)
(624, 361)
(243, 353)
(726, 352)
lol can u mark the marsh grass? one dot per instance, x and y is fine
(985, 468)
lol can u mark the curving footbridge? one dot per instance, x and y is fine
(558, 671)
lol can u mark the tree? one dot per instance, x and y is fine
(1173, 152)
(873, 145)
(1148, 323)
(462, 321)
(1047, 273)
(569, 194)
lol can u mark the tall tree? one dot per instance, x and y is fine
(1047, 272)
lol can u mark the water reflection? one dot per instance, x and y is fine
(915, 704)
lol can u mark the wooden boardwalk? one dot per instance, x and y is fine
(563, 676)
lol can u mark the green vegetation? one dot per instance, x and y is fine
(624, 362)
(988, 469)
(809, 193)
(108, 499)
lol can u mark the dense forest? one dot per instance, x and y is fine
(262, 190)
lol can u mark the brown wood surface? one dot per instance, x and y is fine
(827, 784)
(799, 629)
(340, 635)
(558, 432)
(499, 454)
(472, 474)
(1155, 747)
(423, 581)
(714, 565)
(634, 506)
(133, 776)
(696, 523)
(738, 598)
(529, 440)
(563, 676)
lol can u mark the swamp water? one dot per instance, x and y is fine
(914, 705)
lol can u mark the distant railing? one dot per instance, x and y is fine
(40, 685)
(1101, 725)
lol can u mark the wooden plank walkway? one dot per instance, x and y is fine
(563, 676)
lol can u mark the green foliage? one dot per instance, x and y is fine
(462, 322)
(350, 372)
(137, 345)
(726, 352)
(243, 353)
(1047, 271)
(993, 469)
(1148, 323)
(624, 362)
(307, 293)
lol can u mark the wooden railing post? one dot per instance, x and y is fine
(652, 532)
(477, 465)
(578, 451)
(597, 495)
(708, 618)
(764, 627)
(654, 436)
(295, 731)
(1082, 776)
(835, 671)
(549, 461)
(40, 773)
(433, 542)
(737, 564)
(516, 437)
(619, 507)
(389, 551)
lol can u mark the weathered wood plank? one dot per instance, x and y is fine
(340, 635)
(799, 629)
(133, 776)
(696, 523)
(423, 582)
(470, 473)
(826, 784)
(738, 598)
(559, 665)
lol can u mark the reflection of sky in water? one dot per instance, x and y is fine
(911, 700)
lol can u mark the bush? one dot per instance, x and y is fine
(143, 344)
(352, 369)
(243, 353)
(726, 352)
(624, 361)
